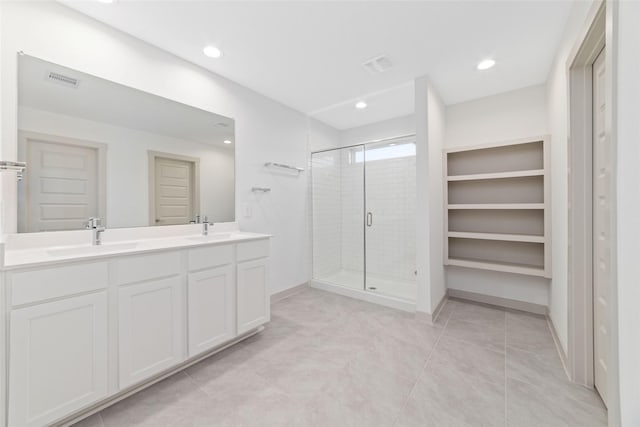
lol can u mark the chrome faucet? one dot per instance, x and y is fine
(94, 225)
(205, 226)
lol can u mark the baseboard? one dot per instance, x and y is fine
(498, 301)
(278, 296)
(439, 307)
(556, 340)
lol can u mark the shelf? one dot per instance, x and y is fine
(496, 175)
(497, 200)
(495, 266)
(497, 236)
(498, 206)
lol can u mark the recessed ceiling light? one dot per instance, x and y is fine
(360, 105)
(106, 1)
(212, 52)
(486, 64)
(226, 141)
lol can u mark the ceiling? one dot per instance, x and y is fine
(101, 100)
(308, 54)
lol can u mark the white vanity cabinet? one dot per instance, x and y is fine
(57, 346)
(150, 332)
(211, 295)
(253, 300)
(83, 332)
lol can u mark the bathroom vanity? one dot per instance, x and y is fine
(86, 325)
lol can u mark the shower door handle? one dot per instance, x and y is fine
(369, 219)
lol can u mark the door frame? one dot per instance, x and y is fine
(25, 136)
(595, 35)
(153, 155)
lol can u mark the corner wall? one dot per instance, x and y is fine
(266, 131)
(436, 125)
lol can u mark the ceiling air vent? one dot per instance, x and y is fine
(61, 79)
(378, 64)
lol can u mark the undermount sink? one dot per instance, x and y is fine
(211, 237)
(89, 250)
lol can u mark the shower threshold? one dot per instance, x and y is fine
(388, 292)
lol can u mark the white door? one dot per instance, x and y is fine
(58, 360)
(211, 308)
(601, 229)
(174, 191)
(253, 303)
(62, 188)
(150, 329)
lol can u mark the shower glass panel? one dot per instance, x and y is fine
(338, 212)
(390, 194)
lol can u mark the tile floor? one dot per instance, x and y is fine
(327, 360)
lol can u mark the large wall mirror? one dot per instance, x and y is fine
(95, 148)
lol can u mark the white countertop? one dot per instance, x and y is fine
(39, 256)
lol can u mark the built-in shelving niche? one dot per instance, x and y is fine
(497, 207)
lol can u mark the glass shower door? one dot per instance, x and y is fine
(338, 212)
(390, 218)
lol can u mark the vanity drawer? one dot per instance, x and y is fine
(253, 250)
(40, 285)
(211, 256)
(146, 267)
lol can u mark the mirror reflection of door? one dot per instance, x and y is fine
(175, 190)
(62, 185)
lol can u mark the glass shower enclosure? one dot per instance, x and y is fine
(364, 218)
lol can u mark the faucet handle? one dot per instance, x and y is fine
(94, 222)
(205, 220)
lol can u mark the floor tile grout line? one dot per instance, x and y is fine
(197, 384)
(406, 402)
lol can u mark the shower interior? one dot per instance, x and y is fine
(364, 218)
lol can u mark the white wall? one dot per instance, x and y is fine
(128, 165)
(626, 131)
(511, 115)
(265, 130)
(399, 126)
(436, 126)
(557, 93)
(423, 250)
(322, 136)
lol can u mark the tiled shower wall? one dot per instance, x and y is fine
(352, 200)
(391, 198)
(327, 213)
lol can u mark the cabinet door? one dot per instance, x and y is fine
(149, 329)
(211, 308)
(253, 303)
(58, 359)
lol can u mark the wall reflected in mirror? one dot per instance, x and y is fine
(95, 148)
